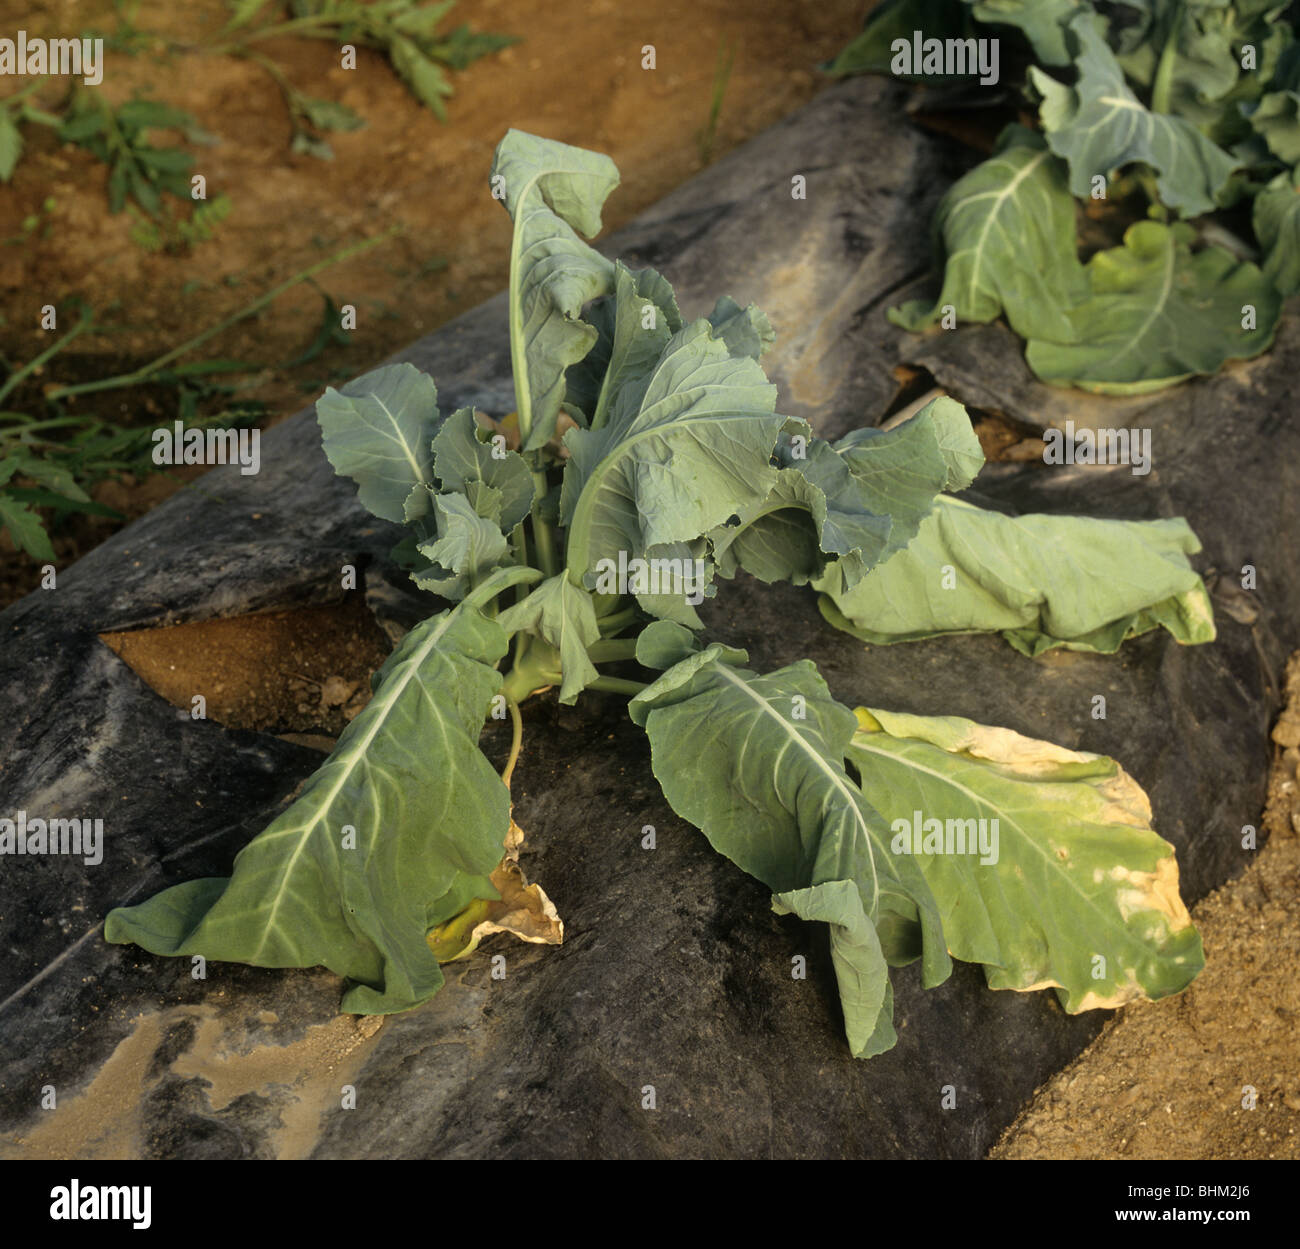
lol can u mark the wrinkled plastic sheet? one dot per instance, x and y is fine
(675, 974)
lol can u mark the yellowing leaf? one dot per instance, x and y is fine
(384, 841)
(1042, 860)
(523, 910)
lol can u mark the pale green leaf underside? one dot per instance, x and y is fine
(553, 192)
(866, 994)
(1068, 885)
(429, 812)
(1042, 581)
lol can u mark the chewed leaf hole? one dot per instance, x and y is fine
(302, 670)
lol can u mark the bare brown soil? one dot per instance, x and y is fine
(1215, 1072)
(301, 671)
(577, 76)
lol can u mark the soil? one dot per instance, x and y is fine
(576, 76)
(104, 1120)
(1003, 440)
(1213, 1072)
(303, 671)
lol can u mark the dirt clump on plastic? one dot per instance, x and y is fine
(302, 671)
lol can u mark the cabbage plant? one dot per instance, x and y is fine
(571, 543)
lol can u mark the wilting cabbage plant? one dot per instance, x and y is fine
(646, 462)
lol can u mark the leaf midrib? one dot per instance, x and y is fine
(518, 349)
(1001, 198)
(400, 439)
(1171, 256)
(356, 754)
(840, 783)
